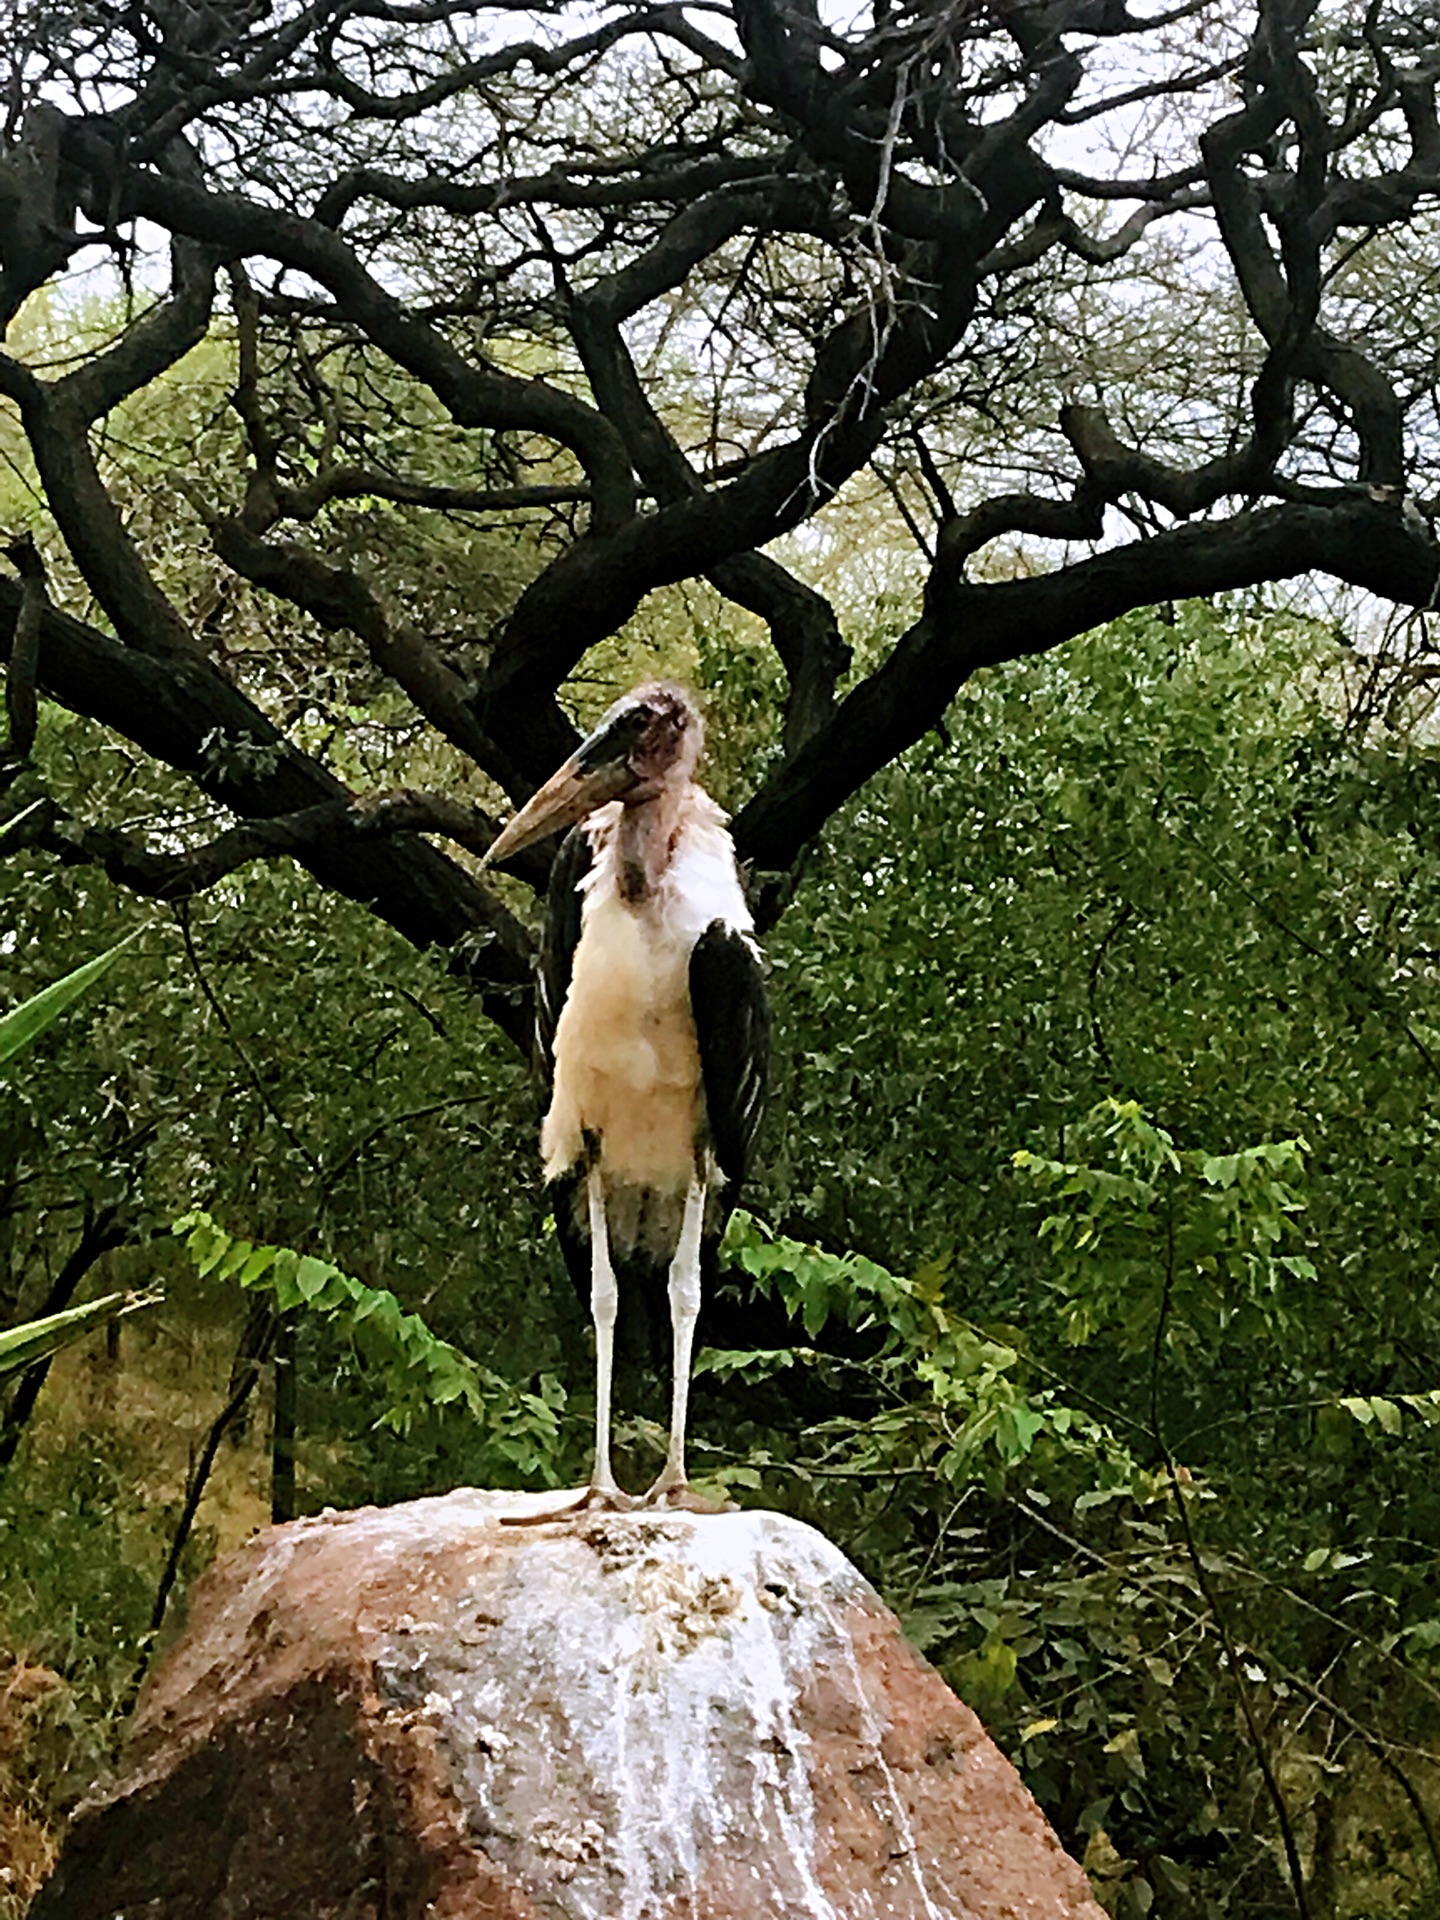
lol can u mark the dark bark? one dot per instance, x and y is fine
(178, 711)
(21, 707)
(966, 627)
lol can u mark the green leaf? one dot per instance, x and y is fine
(1388, 1414)
(258, 1261)
(754, 1364)
(418, 1370)
(311, 1277)
(36, 1340)
(25, 1023)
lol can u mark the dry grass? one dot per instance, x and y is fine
(27, 1839)
(92, 1504)
(157, 1404)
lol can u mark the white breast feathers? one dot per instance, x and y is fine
(627, 1065)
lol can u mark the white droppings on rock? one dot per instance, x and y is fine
(569, 1846)
(656, 1664)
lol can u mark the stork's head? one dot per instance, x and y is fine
(648, 742)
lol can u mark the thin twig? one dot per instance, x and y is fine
(194, 1492)
(182, 915)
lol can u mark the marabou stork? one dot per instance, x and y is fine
(652, 1029)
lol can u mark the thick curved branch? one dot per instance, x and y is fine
(20, 702)
(150, 347)
(1386, 198)
(782, 205)
(329, 824)
(802, 623)
(1283, 294)
(190, 718)
(990, 176)
(862, 366)
(57, 424)
(38, 200)
(804, 631)
(1082, 517)
(57, 418)
(1113, 469)
(340, 599)
(161, 336)
(966, 627)
(911, 150)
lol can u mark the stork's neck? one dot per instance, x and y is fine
(649, 831)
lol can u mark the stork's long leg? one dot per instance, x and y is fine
(684, 1311)
(604, 1306)
(603, 1494)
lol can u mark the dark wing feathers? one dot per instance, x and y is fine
(732, 1025)
(558, 941)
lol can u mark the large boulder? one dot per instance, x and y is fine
(424, 1711)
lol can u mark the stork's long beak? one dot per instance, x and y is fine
(597, 771)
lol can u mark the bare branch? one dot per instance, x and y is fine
(338, 598)
(966, 627)
(20, 703)
(809, 245)
(477, 396)
(180, 876)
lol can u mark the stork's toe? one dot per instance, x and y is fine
(683, 1498)
(592, 1500)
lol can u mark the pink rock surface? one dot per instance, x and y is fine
(420, 1711)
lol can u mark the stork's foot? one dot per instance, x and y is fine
(592, 1500)
(680, 1496)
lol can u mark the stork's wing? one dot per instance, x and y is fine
(732, 1025)
(559, 940)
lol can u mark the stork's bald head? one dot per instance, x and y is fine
(649, 741)
(655, 732)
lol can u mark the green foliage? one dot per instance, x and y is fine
(1153, 902)
(1386, 1414)
(1188, 1236)
(953, 1402)
(1167, 883)
(417, 1371)
(31, 1341)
